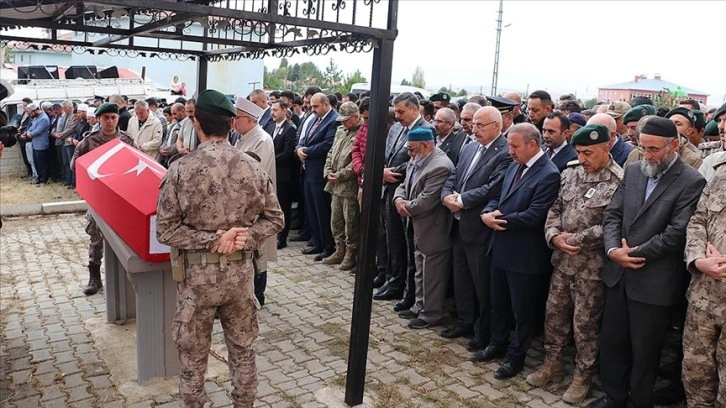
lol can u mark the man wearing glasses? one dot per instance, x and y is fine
(446, 139)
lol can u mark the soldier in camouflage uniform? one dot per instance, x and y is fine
(343, 187)
(107, 115)
(573, 229)
(216, 207)
(704, 335)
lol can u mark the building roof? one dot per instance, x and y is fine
(652, 84)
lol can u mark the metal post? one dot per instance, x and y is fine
(202, 74)
(495, 74)
(370, 215)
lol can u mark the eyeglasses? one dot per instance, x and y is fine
(655, 150)
(482, 126)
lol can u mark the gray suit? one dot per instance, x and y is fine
(637, 301)
(431, 225)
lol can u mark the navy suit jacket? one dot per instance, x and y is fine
(484, 183)
(266, 118)
(564, 156)
(317, 145)
(522, 247)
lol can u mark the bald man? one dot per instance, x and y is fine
(518, 117)
(618, 148)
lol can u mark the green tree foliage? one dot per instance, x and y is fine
(405, 82)
(418, 78)
(354, 78)
(462, 92)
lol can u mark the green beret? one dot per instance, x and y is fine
(634, 114)
(216, 102)
(711, 128)
(700, 121)
(108, 107)
(719, 112)
(685, 112)
(591, 134)
(420, 134)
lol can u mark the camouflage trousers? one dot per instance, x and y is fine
(344, 216)
(95, 246)
(208, 291)
(704, 359)
(574, 304)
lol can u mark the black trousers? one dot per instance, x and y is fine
(317, 214)
(284, 196)
(513, 297)
(396, 243)
(472, 286)
(631, 340)
(41, 158)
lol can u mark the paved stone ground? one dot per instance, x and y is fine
(51, 356)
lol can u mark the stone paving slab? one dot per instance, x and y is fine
(58, 351)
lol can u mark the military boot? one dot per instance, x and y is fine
(349, 260)
(337, 256)
(578, 389)
(94, 280)
(548, 370)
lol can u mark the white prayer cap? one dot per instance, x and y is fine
(247, 107)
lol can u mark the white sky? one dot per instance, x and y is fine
(560, 46)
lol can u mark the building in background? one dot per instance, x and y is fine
(643, 86)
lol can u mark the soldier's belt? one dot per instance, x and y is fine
(202, 258)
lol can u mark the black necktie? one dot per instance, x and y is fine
(550, 152)
(518, 176)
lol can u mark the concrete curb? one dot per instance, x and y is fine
(58, 207)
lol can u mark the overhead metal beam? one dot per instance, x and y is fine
(143, 29)
(89, 45)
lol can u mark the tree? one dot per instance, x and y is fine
(283, 63)
(293, 74)
(445, 90)
(354, 78)
(462, 92)
(405, 82)
(333, 75)
(272, 80)
(418, 78)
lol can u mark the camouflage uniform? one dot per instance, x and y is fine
(216, 187)
(576, 294)
(344, 208)
(90, 142)
(704, 334)
(686, 150)
(709, 148)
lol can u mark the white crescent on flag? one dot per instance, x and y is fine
(145, 162)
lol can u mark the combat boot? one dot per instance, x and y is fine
(337, 256)
(349, 260)
(548, 370)
(578, 389)
(94, 280)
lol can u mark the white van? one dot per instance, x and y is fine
(395, 89)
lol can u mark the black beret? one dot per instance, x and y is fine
(591, 134)
(108, 107)
(685, 112)
(440, 97)
(657, 126)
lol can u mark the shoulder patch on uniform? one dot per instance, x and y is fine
(720, 161)
(710, 145)
(617, 170)
(573, 163)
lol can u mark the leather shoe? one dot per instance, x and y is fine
(281, 243)
(323, 255)
(418, 324)
(604, 402)
(456, 332)
(491, 352)
(402, 305)
(476, 344)
(407, 314)
(382, 289)
(671, 394)
(299, 238)
(311, 250)
(389, 294)
(379, 280)
(508, 370)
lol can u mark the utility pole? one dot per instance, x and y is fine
(495, 74)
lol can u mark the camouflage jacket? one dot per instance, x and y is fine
(216, 186)
(688, 152)
(708, 224)
(96, 139)
(340, 162)
(708, 148)
(578, 209)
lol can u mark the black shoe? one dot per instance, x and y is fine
(508, 370)
(311, 250)
(491, 352)
(379, 280)
(281, 243)
(300, 238)
(456, 332)
(604, 402)
(390, 294)
(671, 394)
(402, 305)
(418, 324)
(476, 345)
(407, 314)
(323, 255)
(382, 289)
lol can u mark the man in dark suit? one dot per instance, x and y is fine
(312, 149)
(476, 180)
(399, 271)
(520, 255)
(284, 138)
(555, 132)
(259, 98)
(289, 97)
(446, 139)
(644, 228)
